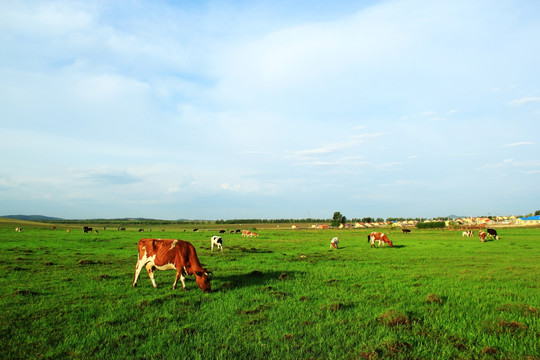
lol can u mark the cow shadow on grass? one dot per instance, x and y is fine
(253, 278)
(399, 246)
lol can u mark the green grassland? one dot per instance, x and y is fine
(283, 295)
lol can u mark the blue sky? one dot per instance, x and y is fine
(269, 109)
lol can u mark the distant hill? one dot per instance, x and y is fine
(30, 217)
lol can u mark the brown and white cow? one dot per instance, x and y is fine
(482, 235)
(380, 238)
(334, 243)
(246, 233)
(171, 254)
(467, 233)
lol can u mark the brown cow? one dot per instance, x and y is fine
(482, 236)
(380, 238)
(171, 254)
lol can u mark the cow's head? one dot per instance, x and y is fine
(203, 279)
(390, 243)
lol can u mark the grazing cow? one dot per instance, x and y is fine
(171, 254)
(492, 233)
(252, 234)
(222, 231)
(121, 229)
(405, 231)
(141, 230)
(246, 233)
(87, 229)
(467, 233)
(334, 243)
(53, 228)
(68, 230)
(216, 240)
(238, 231)
(195, 230)
(18, 229)
(482, 236)
(380, 238)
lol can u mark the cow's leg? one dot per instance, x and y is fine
(178, 274)
(182, 277)
(150, 268)
(138, 269)
(212, 246)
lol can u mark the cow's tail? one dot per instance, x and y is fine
(368, 238)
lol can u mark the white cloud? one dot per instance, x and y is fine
(523, 101)
(521, 143)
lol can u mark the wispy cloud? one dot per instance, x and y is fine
(106, 177)
(523, 101)
(501, 164)
(519, 144)
(352, 141)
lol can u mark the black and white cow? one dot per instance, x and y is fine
(493, 233)
(216, 240)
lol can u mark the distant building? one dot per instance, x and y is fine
(531, 220)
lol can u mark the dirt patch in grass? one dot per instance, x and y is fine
(522, 309)
(394, 318)
(257, 310)
(488, 350)
(434, 299)
(395, 348)
(335, 306)
(25, 292)
(88, 262)
(511, 326)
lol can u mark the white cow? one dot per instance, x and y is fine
(334, 243)
(218, 241)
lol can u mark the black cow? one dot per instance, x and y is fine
(493, 233)
(222, 231)
(405, 231)
(87, 229)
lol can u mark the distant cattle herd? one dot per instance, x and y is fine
(179, 255)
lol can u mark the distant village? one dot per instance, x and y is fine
(458, 222)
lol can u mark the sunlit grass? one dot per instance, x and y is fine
(283, 295)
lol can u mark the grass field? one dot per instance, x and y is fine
(284, 295)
